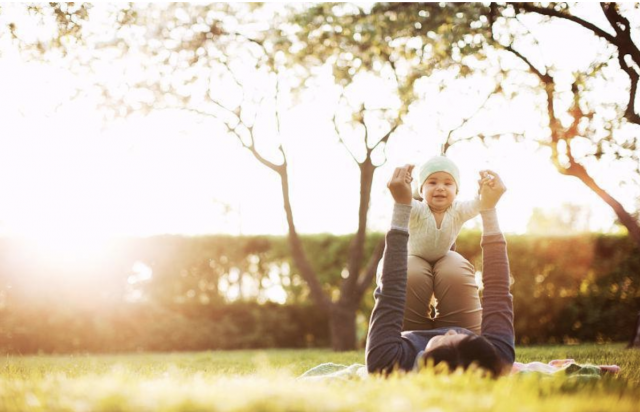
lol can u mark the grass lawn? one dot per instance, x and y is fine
(266, 381)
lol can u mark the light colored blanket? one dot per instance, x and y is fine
(335, 372)
(569, 366)
(357, 371)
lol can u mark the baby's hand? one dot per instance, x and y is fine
(400, 184)
(485, 179)
(491, 188)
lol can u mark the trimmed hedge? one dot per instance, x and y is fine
(145, 327)
(566, 289)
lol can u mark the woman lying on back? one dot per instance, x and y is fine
(389, 347)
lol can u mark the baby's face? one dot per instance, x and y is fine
(439, 191)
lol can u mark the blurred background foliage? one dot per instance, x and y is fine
(172, 293)
(230, 62)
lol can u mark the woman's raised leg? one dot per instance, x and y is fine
(417, 311)
(456, 293)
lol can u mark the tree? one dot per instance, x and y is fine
(211, 61)
(348, 39)
(589, 136)
(610, 139)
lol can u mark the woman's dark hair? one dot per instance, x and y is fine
(470, 350)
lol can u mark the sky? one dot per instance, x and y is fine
(66, 177)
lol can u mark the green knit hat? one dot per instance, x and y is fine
(433, 165)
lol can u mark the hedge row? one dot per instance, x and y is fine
(566, 289)
(571, 289)
(148, 327)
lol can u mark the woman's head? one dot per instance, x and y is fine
(461, 351)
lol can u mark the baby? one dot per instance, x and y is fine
(436, 217)
(434, 225)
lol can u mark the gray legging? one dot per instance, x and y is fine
(451, 281)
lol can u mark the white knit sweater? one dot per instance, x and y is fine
(429, 242)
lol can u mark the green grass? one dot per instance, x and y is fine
(266, 381)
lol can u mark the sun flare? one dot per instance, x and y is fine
(70, 249)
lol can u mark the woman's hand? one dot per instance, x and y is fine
(491, 189)
(400, 184)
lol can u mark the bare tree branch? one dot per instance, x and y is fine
(237, 114)
(249, 39)
(544, 77)
(284, 156)
(385, 138)
(394, 71)
(338, 134)
(530, 7)
(575, 110)
(234, 77)
(483, 137)
(233, 130)
(530, 34)
(366, 129)
(623, 40)
(448, 142)
(630, 113)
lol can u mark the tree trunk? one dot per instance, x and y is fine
(348, 289)
(635, 340)
(297, 252)
(342, 325)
